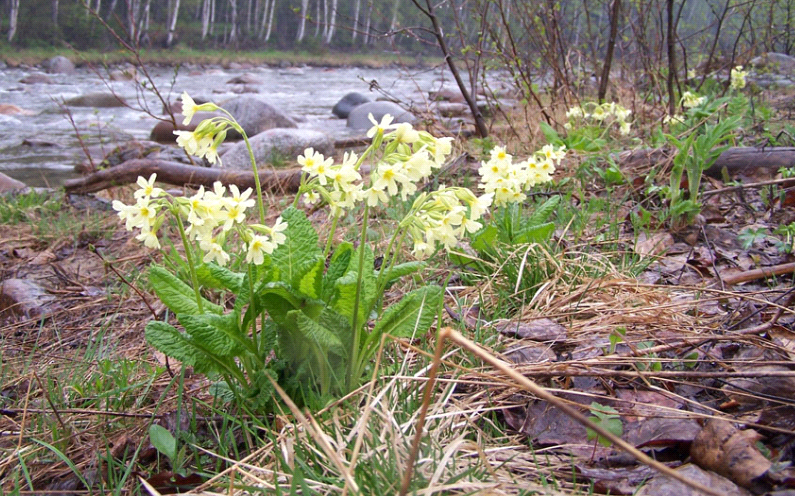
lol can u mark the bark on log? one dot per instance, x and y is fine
(738, 161)
(747, 160)
(277, 181)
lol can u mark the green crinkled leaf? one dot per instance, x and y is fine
(214, 276)
(310, 277)
(543, 211)
(412, 315)
(484, 240)
(170, 341)
(404, 269)
(316, 333)
(176, 295)
(535, 234)
(338, 325)
(337, 267)
(299, 249)
(218, 333)
(278, 298)
(345, 288)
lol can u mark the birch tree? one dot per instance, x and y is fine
(233, 21)
(172, 23)
(302, 23)
(355, 29)
(206, 11)
(12, 19)
(333, 19)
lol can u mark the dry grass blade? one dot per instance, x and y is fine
(525, 383)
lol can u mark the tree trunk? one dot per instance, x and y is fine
(55, 15)
(206, 17)
(110, 10)
(233, 21)
(355, 29)
(143, 24)
(393, 24)
(330, 33)
(367, 22)
(270, 20)
(671, 59)
(172, 24)
(302, 24)
(12, 19)
(611, 44)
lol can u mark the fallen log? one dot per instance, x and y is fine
(277, 181)
(738, 161)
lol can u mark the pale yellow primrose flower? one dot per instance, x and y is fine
(738, 78)
(148, 189)
(257, 248)
(316, 164)
(379, 127)
(690, 99)
(189, 108)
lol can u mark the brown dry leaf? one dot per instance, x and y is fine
(170, 483)
(43, 258)
(744, 389)
(542, 329)
(664, 485)
(653, 244)
(730, 452)
(529, 353)
(616, 480)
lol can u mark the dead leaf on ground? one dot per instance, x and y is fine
(542, 329)
(653, 244)
(732, 453)
(664, 485)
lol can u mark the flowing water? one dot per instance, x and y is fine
(41, 147)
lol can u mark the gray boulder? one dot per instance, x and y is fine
(59, 65)
(256, 116)
(246, 78)
(96, 100)
(277, 145)
(775, 62)
(253, 115)
(347, 103)
(10, 184)
(358, 118)
(36, 78)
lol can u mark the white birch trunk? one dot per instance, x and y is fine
(325, 18)
(172, 24)
(55, 14)
(12, 19)
(233, 21)
(367, 22)
(330, 33)
(393, 24)
(205, 18)
(270, 20)
(302, 25)
(355, 29)
(317, 19)
(143, 23)
(248, 17)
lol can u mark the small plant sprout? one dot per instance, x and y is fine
(608, 419)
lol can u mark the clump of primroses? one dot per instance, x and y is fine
(605, 115)
(402, 159)
(208, 218)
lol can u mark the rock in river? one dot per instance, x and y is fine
(96, 100)
(347, 103)
(59, 65)
(277, 145)
(253, 115)
(358, 118)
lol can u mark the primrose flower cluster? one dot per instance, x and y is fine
(202, 142)
(409, 157)
(508, 181)
(210, 215)
(738, 78)
(605, 115)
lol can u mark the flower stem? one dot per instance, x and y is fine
(353, 359)
(194, 278)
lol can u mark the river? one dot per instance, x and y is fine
(308, 93)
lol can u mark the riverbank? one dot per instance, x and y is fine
(15, 57)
